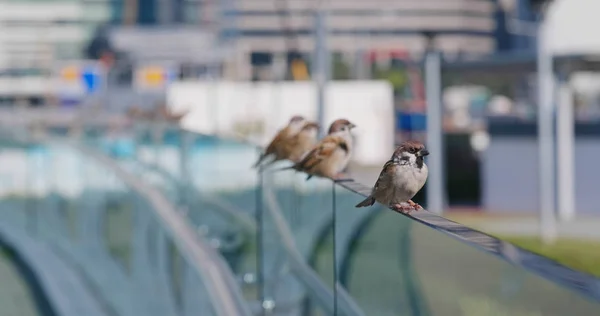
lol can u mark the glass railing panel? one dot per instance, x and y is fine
(113, 234)
(179, 288)
(219, 190)
(394, 265)
(16, 173)
(169, 158)
(194, 300)
(296, 253)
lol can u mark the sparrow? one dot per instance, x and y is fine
(302, 143)
(275, 147)
(331, 155)
(401, 178)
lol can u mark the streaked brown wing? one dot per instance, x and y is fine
(386, 172)
(272, 147)
(288, 146)
(323, 150)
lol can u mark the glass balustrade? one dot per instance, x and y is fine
(291, 245)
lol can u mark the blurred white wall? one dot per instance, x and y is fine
(221, 107)
(572, 27)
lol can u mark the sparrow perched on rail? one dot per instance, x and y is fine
(276, 146)
(331, 155)
(401, 178)
(303, 142)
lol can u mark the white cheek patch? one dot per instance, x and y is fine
(409, 159)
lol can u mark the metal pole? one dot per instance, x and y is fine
(322, 66)
(565, 153)
(435, 134)
(546, 170)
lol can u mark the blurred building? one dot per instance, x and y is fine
(34, 33)
(266, 29)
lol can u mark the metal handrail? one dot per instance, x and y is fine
(581, 282)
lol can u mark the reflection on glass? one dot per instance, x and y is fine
(196, 298)
(71, 207)
(118, 225)
(395, 266)
(175, 273)
(151, 242)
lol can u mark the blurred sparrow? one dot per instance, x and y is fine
(303, 142)
(401, 178)
(331, 155)
(276, 149)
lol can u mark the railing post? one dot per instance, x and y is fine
(547, 176)
(258, 215)
(566, 151)
(435, 133)
(184, 169)
(322, 66)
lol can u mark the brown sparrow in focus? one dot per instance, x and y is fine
(303, 142)
(276, 146)
(331, 155)
(401, 178)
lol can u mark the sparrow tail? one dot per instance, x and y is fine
(367, 202)
(260, 160)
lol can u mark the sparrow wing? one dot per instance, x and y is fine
(287, 147)
(281, 135)
(383, 182)
(273, 145)
(384, 179)
(324, 149)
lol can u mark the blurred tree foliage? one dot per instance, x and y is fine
(396, 75)
(340, 68)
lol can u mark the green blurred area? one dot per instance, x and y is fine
(577, 253)
(582, 255)
(16, 297)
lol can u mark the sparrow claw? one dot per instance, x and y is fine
(414, 205)
(401, 208)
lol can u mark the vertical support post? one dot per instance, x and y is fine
(565, 152)
(322, 66)
(435, 133)
(184, 169)
(260, 254)
(547, 178)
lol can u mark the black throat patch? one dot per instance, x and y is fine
(344, 146)
(420, 162)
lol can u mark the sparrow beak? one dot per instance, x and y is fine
(423, 153)
(351, 126)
